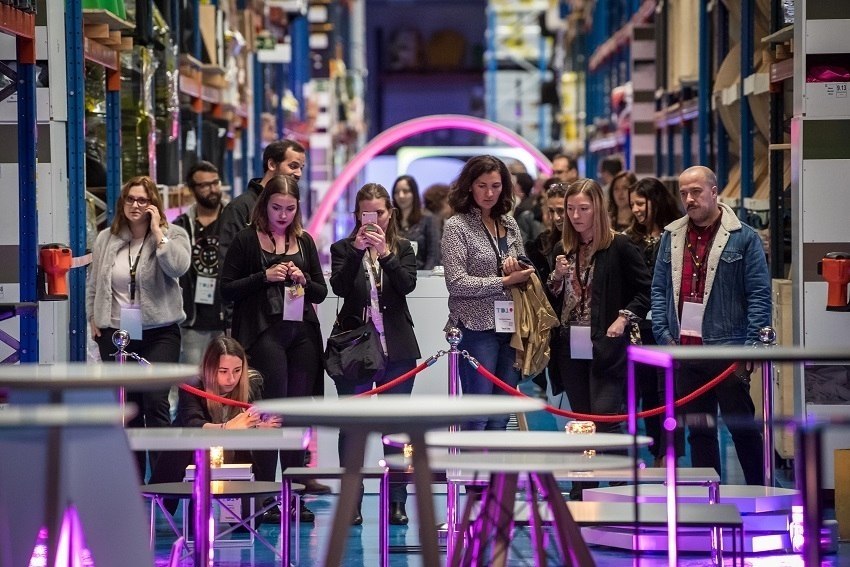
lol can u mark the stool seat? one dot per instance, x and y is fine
(218, 489)
(517, 462)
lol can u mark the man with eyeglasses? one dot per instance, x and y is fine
(201, 301)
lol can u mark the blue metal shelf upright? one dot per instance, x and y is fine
(21, 25)
(80, 49)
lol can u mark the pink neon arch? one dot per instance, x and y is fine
(406, 130)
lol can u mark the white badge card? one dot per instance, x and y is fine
(692, 313)
(505, 317)
(205, 290)
(580, 346)
(293, 303)
(131, 321)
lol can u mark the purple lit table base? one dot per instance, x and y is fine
(413, 415)
(200, 440)
(495, 519)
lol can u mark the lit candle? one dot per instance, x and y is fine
(216, 456)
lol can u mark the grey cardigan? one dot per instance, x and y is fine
(160, 297)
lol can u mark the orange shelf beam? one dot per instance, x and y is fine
(17, 22)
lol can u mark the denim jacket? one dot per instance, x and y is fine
(737, 295)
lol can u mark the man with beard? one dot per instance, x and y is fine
(201, 301)
(711, 286)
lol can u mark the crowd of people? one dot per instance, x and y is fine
(233, 287)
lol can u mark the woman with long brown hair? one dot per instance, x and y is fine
(373, 270)
(482, 253)
(133, 284)
(273, 275)
(602, 285)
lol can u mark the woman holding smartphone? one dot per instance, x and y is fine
(373, 270)
(273, 275)
(133, 284)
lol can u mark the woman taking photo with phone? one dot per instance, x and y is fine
(373, 271)
(133, 284)
(273, 275)
(602, 284)
(481, 247)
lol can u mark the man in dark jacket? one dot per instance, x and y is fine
(284, 157)
(201, 301)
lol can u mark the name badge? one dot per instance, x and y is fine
(131, 321)
(580, 346)
(293, 303)
(205, 290)
(505, 317)
(692, 313)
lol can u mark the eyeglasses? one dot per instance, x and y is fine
(206, 184)
(141, 201)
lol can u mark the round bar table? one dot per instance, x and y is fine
(538, 454)
(413, 415)
(199, 440)
(46, 469)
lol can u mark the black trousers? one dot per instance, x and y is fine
(394, 369)
(732, 397)
(290, 363)
(161, 344)
(596, 386)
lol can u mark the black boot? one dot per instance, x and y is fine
(398, 515)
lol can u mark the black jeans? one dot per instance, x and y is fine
(732, 396)
(394, 369)
(596, 386)
(161, 344)
(290, 363)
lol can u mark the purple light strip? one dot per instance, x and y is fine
(405, 130)
(665, 361)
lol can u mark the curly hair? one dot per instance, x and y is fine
(460, 195)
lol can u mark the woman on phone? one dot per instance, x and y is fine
(373, 270)
(481, 250)
(273, 275)
(133, 284)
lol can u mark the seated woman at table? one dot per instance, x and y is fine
(224, 373)
(373, 270)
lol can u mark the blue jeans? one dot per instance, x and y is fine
(494, 351)
(394, 369)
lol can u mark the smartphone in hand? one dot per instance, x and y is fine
(369, 219)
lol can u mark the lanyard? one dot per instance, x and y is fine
(376, 270)
(133, 266)
(495, 245)
(583, 284)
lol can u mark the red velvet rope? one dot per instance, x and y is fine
(610, 418)
(213, 397)
(394, 381)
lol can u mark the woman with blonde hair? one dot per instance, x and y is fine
(602, 284)
(133, 284)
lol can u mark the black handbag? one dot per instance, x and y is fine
(355, 356)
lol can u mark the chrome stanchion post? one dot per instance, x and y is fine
(767, 338)
(453, 337)
(121, 339)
